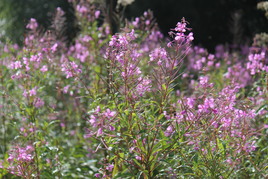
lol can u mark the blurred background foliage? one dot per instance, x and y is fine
(213, 21)
(15, 14)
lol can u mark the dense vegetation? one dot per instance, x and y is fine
(131, 105)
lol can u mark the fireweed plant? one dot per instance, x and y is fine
(130, 105)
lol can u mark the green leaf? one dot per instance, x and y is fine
(221, 146)
(115, 169)
(97, 69)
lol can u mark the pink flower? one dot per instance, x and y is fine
(136, 22)
(32, 92)
(111, 128)
(190, 37)
(17, 65)
(92, 120)
(65, 89)
(209, 102)
(138, 158)
(190, 102)
(97, 14)
(110, 167)
(143, 87)
(203, 80)
(36, 58)
(169, 131)
(157, 54)
(97, 175)
(38, 103)
(81, 9)
(32, 24)
(109, 113)
(54, 47)
(181, 27)
(60, 11)
(256, 63)
(99, 132)
(44, 68)
(71, 69)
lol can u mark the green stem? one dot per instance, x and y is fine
(4, 119)
(35, 147)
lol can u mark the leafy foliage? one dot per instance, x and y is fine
(131, 105)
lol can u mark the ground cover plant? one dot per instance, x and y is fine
(132, 104)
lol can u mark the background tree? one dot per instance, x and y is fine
(213, 22)
(15, 14)
(261, 39)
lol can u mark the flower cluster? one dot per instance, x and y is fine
(239, 74)
(21, 161)
(145, 110)
(257, 63)
(160, 55)
(70, 69)
(219, 115)
(32, 25)
(86, 11)
(101, 122)
(179, 34)
(124, 57)
(80, 50)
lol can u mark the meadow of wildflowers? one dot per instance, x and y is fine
(131, 105)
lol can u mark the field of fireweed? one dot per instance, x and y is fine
(131, 105)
